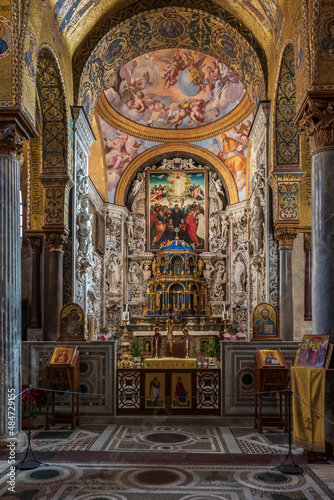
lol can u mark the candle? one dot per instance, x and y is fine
(91, 329)
(124, 313)
(187, 344)
(126, 308)
(224, 307)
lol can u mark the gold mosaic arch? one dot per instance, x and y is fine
(152, 153)
(235, 117)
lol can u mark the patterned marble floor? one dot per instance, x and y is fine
(109, 481)
(147, 437)
(170, 462)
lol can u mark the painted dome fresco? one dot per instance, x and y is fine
(174, 88)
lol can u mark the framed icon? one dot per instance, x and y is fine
(63, 356)
(265, 323)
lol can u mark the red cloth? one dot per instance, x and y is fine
(191, 227)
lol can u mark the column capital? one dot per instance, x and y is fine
(284, 235)
(315, 118)
(11, 142)
(56, 241)
(308, 241)
(36, 244)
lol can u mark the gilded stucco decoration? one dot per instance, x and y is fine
(287, 137)
(152, 156)
(216, 39)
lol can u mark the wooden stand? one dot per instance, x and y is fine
(63, 378)
(270, 378)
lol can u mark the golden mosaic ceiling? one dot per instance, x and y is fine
(78, 19)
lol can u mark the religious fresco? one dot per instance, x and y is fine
(177, 206)
(110, 66)
(231, 147)
(177, 88)
(120, 149)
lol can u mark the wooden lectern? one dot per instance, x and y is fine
(271, 373)
(63, 375)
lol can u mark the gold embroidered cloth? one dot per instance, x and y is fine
(308, 427)
(170, 363)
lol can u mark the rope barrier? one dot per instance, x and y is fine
(315, 411)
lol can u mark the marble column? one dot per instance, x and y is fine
(285, 237)
(10, 275)
(308, 277)
(35, 306)
(316, 120)
(323, 241)
(56, 244)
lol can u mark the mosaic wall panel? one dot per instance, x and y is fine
(287, 137)
(238, 375)
(96, 373)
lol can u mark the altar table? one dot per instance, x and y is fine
(170, 363)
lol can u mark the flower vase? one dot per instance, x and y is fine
(25, 422)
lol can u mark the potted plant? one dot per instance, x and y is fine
(37, 401)
(212, 349)
(136, 350)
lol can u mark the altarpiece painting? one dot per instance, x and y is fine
(177, 206)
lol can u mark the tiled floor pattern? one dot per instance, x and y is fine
(82, 481)
(185, 439)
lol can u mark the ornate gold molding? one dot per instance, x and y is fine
(308, 241)
(316, 119)
(36, 244)
(284, 235)
(56, 241)
(11, 142)
(233, 118)
(150, 157)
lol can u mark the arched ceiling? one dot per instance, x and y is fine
(192, 30)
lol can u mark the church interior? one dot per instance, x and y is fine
(167, 249)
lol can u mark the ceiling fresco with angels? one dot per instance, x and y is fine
(177, 88)
(215, 62)
(230, 147)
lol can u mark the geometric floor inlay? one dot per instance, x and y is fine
(168, 482)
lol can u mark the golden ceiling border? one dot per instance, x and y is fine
(119, 122)
(176, 147)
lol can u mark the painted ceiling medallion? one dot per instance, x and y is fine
(174, 89)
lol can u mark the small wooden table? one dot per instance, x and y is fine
(267, 379)
(63, 378)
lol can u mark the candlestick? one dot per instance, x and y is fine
(156, 348)
(91, 329)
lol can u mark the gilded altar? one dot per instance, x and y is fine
(177, 283)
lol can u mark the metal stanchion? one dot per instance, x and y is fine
(26, 464)
(292, 468)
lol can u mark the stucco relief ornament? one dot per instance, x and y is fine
(114, 273)
(135, 275)
(84, 235)
(218, 184)
(220, 279)
(240, 274)
(256, 224)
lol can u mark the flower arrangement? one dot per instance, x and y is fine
(38, 400)
(234, 334)
(104, 335)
